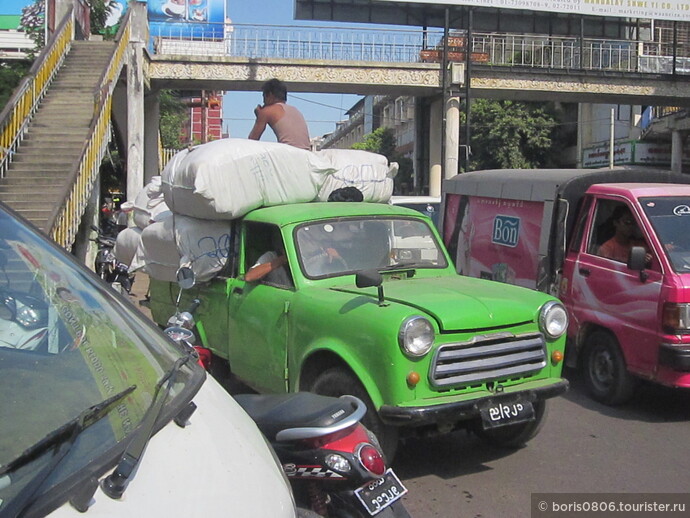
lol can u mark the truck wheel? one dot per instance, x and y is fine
(515, 435)
(606, 375)
(338, 382)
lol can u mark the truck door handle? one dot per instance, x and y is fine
(237, 290)
(584, 272)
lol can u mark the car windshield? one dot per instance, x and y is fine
(669, 216)
(79, 366)
(337, 247)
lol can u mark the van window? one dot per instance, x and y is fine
(669, 216)
(615, 231)
(263, 244)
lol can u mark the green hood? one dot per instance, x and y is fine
(462, 303)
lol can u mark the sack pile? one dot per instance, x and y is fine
(369, 172)
(184, 217)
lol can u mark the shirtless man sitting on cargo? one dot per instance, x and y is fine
(286, 121)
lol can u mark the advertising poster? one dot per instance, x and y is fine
(499, 240)
(201, 19)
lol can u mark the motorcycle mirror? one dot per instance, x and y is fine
(185, 277)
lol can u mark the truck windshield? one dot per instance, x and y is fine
(670, 217)
(79, 369)
(337, 247)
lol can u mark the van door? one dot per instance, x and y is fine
(604, 291)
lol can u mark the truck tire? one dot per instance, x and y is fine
(515, 435)
(605, 372)
(337, 382)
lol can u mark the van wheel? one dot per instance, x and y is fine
(515, 435)
(338, 382)
(606, 375)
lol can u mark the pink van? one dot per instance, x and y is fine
(612, 244)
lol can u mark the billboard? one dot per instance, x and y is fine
(182, 18)
(656, 10)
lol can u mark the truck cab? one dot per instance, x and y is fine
(612, 244)
(363, 299)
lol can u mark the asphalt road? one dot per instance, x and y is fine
(640, 447)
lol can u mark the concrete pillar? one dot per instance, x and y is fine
(135, 99)
(435, 147)
(151, 125)
(676, 151)
(452, 137)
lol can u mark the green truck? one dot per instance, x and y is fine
(362, 298)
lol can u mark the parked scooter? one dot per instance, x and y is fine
(335, 465)
(108, 268)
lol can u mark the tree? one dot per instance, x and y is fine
(510, 134)
(382, 141)
(100, 11)
(11, 74)
(33, 23)
(173, 116)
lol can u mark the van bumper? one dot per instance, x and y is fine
(463, 410)
(674, 356)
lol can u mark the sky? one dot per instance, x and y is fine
(321, 111)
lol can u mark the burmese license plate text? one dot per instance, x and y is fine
(506, 412)
(379, 494)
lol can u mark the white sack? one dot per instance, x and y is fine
(369, 172)
(126, 244)
(181, 240)
(148, 203)
(227, 178)
(203, 244)
(157, 253)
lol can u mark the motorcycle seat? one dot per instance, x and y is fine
(299, 415)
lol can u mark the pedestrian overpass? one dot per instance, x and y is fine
(444, 65)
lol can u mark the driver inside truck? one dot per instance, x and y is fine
(626, 234)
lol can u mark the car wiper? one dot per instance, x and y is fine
(114, 485)
(61, 439)
(401, 266)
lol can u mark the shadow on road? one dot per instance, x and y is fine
(447, 456)
(650, 403)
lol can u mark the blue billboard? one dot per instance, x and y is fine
(182, 18)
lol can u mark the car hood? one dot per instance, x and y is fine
(461, 303)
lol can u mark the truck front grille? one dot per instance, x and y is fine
(488, 358)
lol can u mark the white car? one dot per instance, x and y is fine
(429, 205)
(103, 414)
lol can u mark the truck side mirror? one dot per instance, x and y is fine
(368, 278)
(637, 261)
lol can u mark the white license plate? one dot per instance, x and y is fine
(379, 494)
(506, 412)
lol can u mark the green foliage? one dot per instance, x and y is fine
(11, 74)
(382, 141)
(33, 24)
(100, 10)
(173, 116)
(509, 134)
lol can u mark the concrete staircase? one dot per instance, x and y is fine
(37, 179)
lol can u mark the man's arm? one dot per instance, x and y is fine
(264, 117)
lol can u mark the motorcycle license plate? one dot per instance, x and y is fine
(379, 494)
(502, 413)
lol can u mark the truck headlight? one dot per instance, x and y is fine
(676, 318)
(416, 336)
(553, 319)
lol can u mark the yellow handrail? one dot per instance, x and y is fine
(17, 113)
(65, 220)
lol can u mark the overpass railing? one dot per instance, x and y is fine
(416, 45)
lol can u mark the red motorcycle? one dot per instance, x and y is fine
(334, 463)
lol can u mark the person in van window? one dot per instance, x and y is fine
(286, 121)
(625, 237)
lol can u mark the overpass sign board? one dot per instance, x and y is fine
(655, 10)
